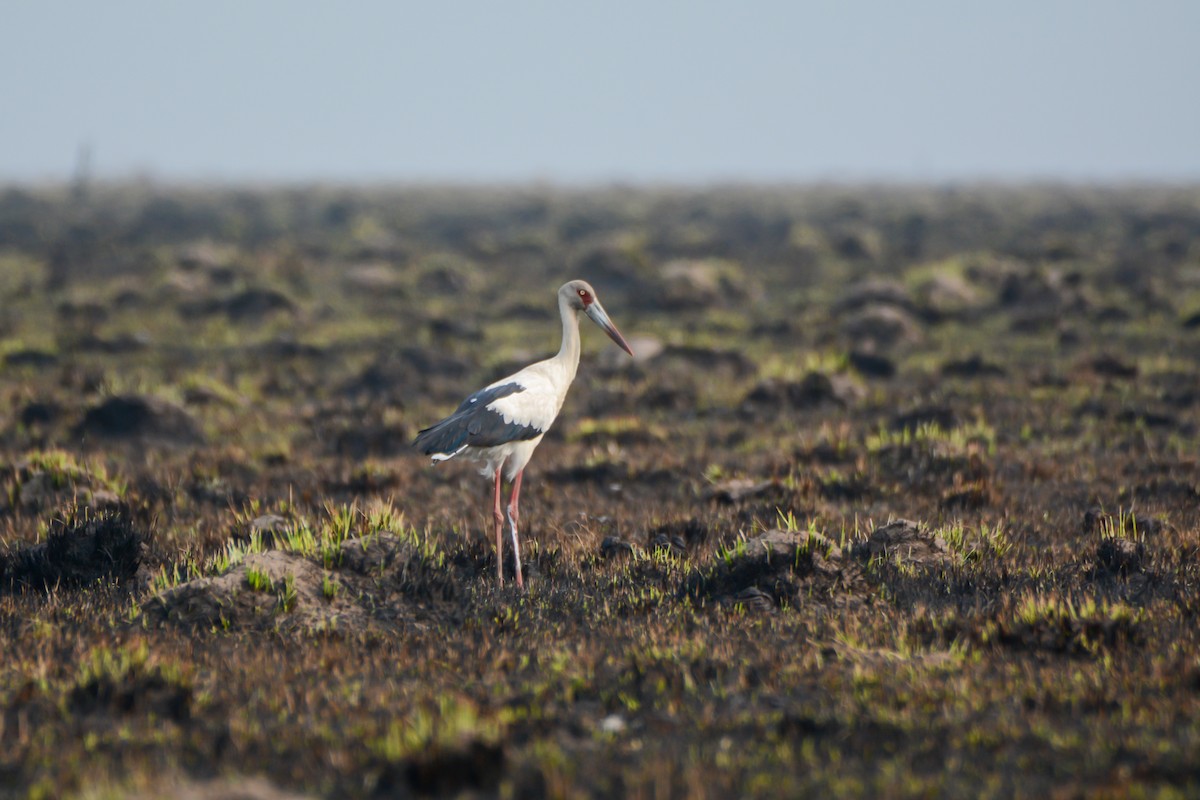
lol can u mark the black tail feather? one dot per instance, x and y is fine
(446, 436)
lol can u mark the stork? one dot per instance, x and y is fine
(503, 423)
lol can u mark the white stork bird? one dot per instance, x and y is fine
(502, 424)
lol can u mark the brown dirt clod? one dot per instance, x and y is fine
(905, 542)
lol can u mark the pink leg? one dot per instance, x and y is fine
(498, 518)
(513, 514)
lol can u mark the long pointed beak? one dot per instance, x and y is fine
(598, 315)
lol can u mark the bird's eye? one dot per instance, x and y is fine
(582, 293)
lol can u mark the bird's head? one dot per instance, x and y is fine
(580, 296)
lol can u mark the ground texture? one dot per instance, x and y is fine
(899, 497)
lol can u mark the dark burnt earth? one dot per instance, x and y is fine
(899, 495)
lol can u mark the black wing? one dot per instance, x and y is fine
(474, 424)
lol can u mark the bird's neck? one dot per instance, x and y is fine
(568, 354)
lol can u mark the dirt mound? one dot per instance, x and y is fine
(470, 767)
(1120, 555)
(814, 389)
(139, 692)
(372, 579)
(781, 568)
(1043, 292)
(30, 357)
(973, 366)
(685, 360)
(143, 418)
(245, 306)
(1123, 523)
(685, 285)
(381, 555)
(873, 292)
(904, 542)
(363, 436)
(1107, 365)
(735, 490)
(75, 553)
(1038, 624)
(54, 480)
(266, 591)
(881, 327)
(377, 279)
(393, 373)
(40, 412)
(691, 532)
(946, 295)
(871, 365)
(942, 416)
(929, 465)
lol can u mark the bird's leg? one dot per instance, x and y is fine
(513, 514)
(498, 518)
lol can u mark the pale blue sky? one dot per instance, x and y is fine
(629, 90)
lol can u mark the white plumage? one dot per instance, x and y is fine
(502, 424)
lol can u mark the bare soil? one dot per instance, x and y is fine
(900, 496)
